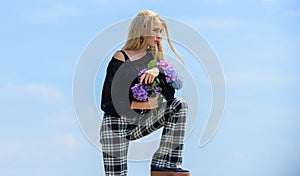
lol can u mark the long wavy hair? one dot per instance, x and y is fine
(144, 22)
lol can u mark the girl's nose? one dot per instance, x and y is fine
(159, 35)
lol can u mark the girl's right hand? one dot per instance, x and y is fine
(149, 76)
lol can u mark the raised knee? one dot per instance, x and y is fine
(180, 104)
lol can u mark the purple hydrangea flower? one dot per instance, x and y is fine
(163, 64)
(177, 84)
(171, 75)
(140, 91)
(155, 91)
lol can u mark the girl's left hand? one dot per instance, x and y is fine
(149, 76)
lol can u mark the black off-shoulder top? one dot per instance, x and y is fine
(120, 77)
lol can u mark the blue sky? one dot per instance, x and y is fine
(257, 43)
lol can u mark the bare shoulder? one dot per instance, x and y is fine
(119, 56)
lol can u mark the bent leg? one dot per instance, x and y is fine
(170, 151)
(173, 118)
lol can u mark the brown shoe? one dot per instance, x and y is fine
(169, 172)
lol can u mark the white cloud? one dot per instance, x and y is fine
(31, 93)
(68, 142)
(279, 116)
(276, 1)
(21, 149)
(3, 28)
(30, 148)
(269, 1)
(52, 12)
(237, 155)
(31, 155)
(247, 114)
(216, 23)
(64, 118)
(211, 1)
(103, 2)
(44, 170)
(264, 77)
(9, 150)
(292, 13)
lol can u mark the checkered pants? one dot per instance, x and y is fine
(116, 132)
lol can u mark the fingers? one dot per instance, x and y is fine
(147, 78)
(142, 78)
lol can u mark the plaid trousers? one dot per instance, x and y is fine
(117, 132)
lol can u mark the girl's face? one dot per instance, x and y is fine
(156, 35)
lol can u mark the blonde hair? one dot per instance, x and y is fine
(144, 23)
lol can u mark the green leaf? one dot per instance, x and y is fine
(157, 80)
(160, 100)
(153, 84)
(152, 64)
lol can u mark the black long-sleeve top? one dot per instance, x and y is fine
(120, 77)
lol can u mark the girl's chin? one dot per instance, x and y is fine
(154, 45)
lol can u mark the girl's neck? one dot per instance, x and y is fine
(136, 54)
(142, 50)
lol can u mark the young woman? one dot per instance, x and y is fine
(126, 118)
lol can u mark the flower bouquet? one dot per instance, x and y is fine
(142, 91)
